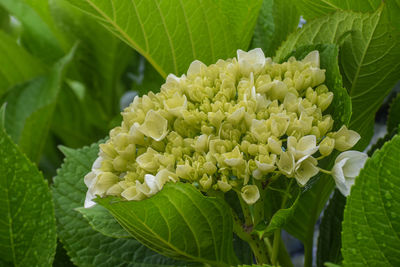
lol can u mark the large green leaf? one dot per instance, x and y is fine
(369, 49)
(171, 34)
(39, 34)
(179, 222)
(277, 18)
(16, 64)
(371, 226)
(316, 8)
(30, 108)
(27, 224)
(330, 229)
(85, 246)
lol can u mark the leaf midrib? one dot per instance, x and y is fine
(126, 36)
(355, 79)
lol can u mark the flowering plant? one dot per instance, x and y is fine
(215, 154)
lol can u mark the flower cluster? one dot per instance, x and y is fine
(221, 126)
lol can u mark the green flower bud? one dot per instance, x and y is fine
(206, 182)
(326, 146)
(345, 138)
(324, 100)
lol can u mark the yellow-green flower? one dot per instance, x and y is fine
(221, 126)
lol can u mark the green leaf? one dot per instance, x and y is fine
(30, 108)
(39, 35)
(369, 49)
(313, 199)
(278, 221)
(371, 226)
(2, 116)
(394, 12)
(330, 229)
(277, 18)
(179, 222)
(393, 121)
(102, 221)
(85, 246)
(27, 225)
(311, 9)
(16, 64)
(171, 34)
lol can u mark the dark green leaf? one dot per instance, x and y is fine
(371, 225)
(393, 121)
(330, 229)
(27, 225)
(394, 12)
(102, 221)
(179, 222)
(16, 65)
(316, 8)
(277, 18)
(85, 246)
(30, 108)
(369, 49)
(171, 34)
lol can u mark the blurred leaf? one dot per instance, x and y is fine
(30, 108)
(311, 9)
(95, 86)
(371, 223)
(4, 20)
(73, 113)
(394, 12)
(277, 18)
(157, 29)
(3, 116)
(330, 229)
(27, 225)
(16, 65)
(179, 222)
(85, 246)
(39, 35)
(369, 49)
(102, 221)
(99, 69)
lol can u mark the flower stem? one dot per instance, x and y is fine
(277, 234)
(275, 248)
(325, 171)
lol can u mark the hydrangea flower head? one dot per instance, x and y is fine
(221, 126)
